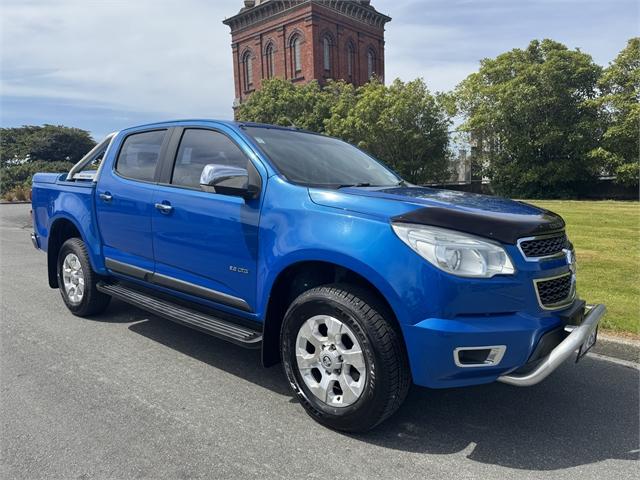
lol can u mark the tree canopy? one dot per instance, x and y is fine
(531, 114)
(619, 152)
(280, 102)
(49, 143)
(402, 124)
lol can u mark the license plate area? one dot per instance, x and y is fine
(588, 343)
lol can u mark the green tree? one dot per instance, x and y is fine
(402, 124)
(531, 114)
(19, 176)
(620, 85)
(49, 143)
(280, 102)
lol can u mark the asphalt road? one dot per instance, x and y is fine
(128, 395)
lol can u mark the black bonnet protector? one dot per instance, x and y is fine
(502, 227)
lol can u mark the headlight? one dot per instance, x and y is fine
(455, 252)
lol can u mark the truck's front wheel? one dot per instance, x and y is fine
(343, 358)
(77, 281)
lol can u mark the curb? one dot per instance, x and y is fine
(617, 347)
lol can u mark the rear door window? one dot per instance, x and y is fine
(140, 154)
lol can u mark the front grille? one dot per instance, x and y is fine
(555, 292)
(544, 246)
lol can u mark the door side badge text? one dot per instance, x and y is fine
(238, 269)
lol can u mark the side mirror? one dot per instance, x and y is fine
(225, 180)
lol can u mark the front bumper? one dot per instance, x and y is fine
(561, 353)
(525, 348)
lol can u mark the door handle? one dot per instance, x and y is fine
(164, 208)
(106, 196)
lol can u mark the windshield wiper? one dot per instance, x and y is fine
(350, 185)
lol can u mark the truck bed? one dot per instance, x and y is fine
(53, 196)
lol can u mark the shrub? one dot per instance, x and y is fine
(19, 176)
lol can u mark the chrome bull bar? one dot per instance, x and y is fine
(565, 349)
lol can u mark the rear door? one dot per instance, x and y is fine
(205, 244)
(124, 196)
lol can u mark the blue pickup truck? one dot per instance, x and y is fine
(306, 247)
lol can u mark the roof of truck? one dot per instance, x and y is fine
(231, 123)
(207, 120)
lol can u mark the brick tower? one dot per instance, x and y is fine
(304, 40)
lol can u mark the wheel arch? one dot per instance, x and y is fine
(304, 275)
(62, 229)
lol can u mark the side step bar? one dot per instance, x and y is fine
(238, 334)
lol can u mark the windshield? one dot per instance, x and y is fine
(316, 160)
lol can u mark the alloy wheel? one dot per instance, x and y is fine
(73, 278)
(330, 361)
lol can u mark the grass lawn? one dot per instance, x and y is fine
(606, 236)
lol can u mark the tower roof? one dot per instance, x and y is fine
(255, 11)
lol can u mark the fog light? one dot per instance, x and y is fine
(479, 356)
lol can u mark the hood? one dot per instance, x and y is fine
(497, 218)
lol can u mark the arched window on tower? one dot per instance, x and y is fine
(371, 63)
(296, 56)
(269, 53)
(247, 71)
(326, 46)
(351, 55)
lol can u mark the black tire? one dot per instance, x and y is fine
(93, 301)
(387, 371)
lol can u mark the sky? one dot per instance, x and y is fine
(103, 65)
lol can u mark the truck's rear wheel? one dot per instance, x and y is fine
(77, 281)
(344, 360)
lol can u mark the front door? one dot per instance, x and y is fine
(205, 244)
(124, 197)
